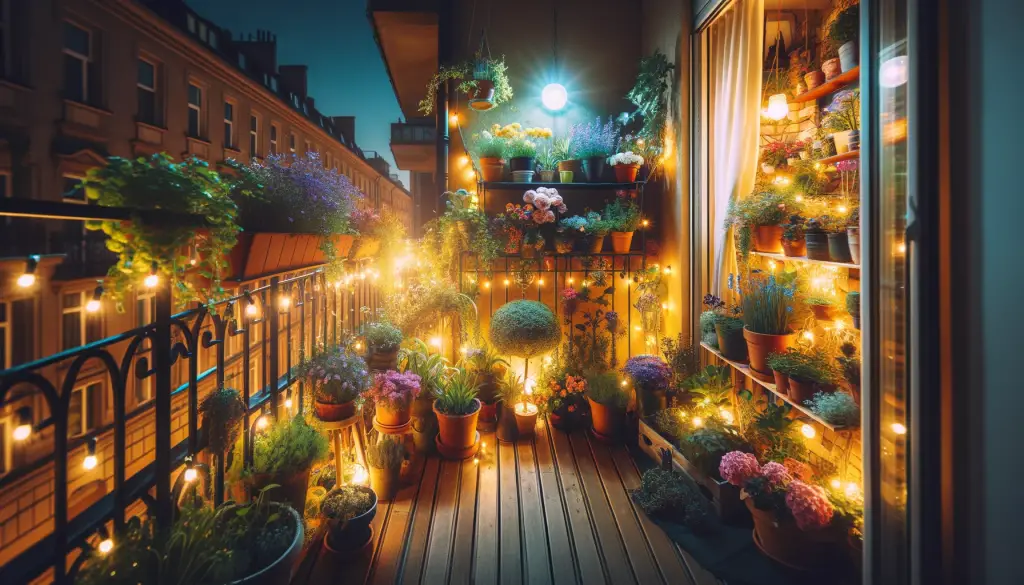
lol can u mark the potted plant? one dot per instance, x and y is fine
(608, 401)
(669, 494)
(490, 151)
(763, 213)
(392, 394)
(835, 234)
(817, 240)
(543, 203)
(382, 341)
(484, 81)
(853, 234)
(283, 455)
(650, 96)
(566, 402)
(385, 458)
(794, 243)
(853, 307)
(849, 364)
(522, 152)
(821, 306)
(808, 371)
(843, 33)
(728, 329)
(593, 143)
(490, 370)
(651, 378)
(568, 167)
(767, 306)
(594, 233)
(792, 519)
(626, 165)
(193, 257)
(624, 219)
(337, 377)
(457, 409)
(773, 156)
(830, 64)
(221, 411)
(547, 162)
(348, 511)
(842, 119)
(836, 408)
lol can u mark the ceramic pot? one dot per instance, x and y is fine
(626, 173)
(794, 248)
(768, 238)
(392, 417)
(343, 536)
(760, 346)
(565, 176)
(781, 540)
(280, 570)
(492, 169)
(593, 168)
(488, 413)
(423, 433)
(329, 412)
(607, 421)
(292, 489)
(621, 242)
(842, 140)
(522, 176)
(817, 245)
(526, 421)
(384, 482)
(848, 56)
(547, 176)
(814, 79)
(831, 68)
(521, 163)
(853, 238)
(801, 390)
(731, 343)
(822, 312)
(458, 431)
(382, 360)
(781, 382)
(838, 247)
(481, 97)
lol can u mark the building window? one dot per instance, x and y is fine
(241, 61)
(195, 110)
(78, 63)
(309, 146)
(291, 143)
(83, 408)
(5, 446)
(78, 327)
(191, 24)
(21, 320)
(5, 337)
(254, 135)
(229, 125)
(273, 139)
(146, 85)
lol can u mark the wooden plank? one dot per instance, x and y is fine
(392, 548)
(563, 566)
(609, 538)
(511, 557)
(535, 538)
(442, 526)
(416, 543)
(589, 559)
(486, 553)
(465, 525)
(665, 554)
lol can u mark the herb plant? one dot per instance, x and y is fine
(669, 494)
(222, 411)
(387, 453)
(466, 74)
(595, 139)
(811, 365)
(336, 375)
(836, 408)
(604, 388)
(382, 336)
(458, 395)
(768, 306)
(346, 502)
(287, 448)
(393, 389)
(622, 215)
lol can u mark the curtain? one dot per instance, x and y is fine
(737, 38)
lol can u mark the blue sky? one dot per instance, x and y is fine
(334, 38)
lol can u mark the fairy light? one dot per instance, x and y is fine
(436, 342)
(622, 383)
(772, 265)
(91, 461)
(817, 166)
(506, 282)
(453, 119)
(899, 428)
(667, 270)
(93, 305)
(24, 428)
(697, 421)
(476, 461)
(463, 160)
(470, 175)
(901, 248)
(799, 198)
(842, 209)
(839, 325)
(106, 545)
(262, 422)
(540, 282)
(808, 431)
(547, 360)
(835, 483)
(726, 415)
(645, 223)
(152, 279)
(808, 335)
(285, 302)
(288, 403)
(570, 281)
(487, 284)
(28, 278)
(852, 490)
(358, 346)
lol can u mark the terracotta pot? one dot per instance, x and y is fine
(564, 243)
(817, 245)
(492, 172)
(567, 165)
(382, 360)
(759, 346)
(328, 412)
(783, 541)
(526, 422)
(768, 238)
(814, 79)
(594, 244)
(482, 96)
(593, 167)
(822, 312)
(801, 390)
(781, 382)
(457, 431)
(607, 421)
(391, 417)
(853, 239)
(621, 242)
(384, 482)
(831, 68)
(731, 343)
(423, 436)
(488, 413)
(794, 248)
(521, 163)
(626, 173)
(838, 247)
(291, 490)
(568, 421)
(565, 176)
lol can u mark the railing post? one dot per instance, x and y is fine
(162, 407)
(275, 338)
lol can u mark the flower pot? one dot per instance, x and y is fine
(760, 346)
(487, 391)
(457, 432)
(817, 245)
(794, 248)
(566, 421)
(768, 238)
(481, 97)
(651, 400)
(488, 413)
(842, 140)
(388, 416)
(626, 173)
(526, 419)
(521, 163)
(801, 390)
(731, 343)
(831, 68)
(595, 244)
(382, 360)
(492, 172)
(767, 168)
(329, 412)
(280, 570)
(522, 176)
(814, 79)
(291, 490)
(621, 242)
(384, 482)
(423, 434)
(781, 540)
(781, 382)
(563, 243)
(345, 536)
(848, 56)
(593, 168)
(565, 176)
(822, 312)
(530, 250)
(547, 176)
(838, 247)
(607, 421)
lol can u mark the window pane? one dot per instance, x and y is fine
(193, 123)
(71, 325)
(229, 111)
(273, 132)
(23, 328)
(195, 95)
(92, 398)
(147, 74)
(74, 79)
(75, 422)
(147, 106)
(228, 138)
(72, 300)
(93, 328)
(76, 39)
(253, 123)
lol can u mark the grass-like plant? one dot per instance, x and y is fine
(837, 408)
(622, 215)
(711, 386)
(605, 388)
(812, 365)
(386, 454)
(768, 306)
(458, 394)
(287, 448)
(417, 359)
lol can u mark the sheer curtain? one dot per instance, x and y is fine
(737, 38)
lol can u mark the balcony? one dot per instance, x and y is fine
(414, 146)
(406, 32)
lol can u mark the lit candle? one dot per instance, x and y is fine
(526, 413)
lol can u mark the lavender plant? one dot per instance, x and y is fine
(594, 139)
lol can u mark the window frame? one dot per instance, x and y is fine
(85, 60)
(254, 134)
(87, 403)
(274, 134)
(6, 327)
(200, 127)
(292, 141)
(150, 310)
(83, 318)
(6, 46)
(230, 135)
(140, 87)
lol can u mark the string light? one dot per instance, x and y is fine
(28, 278)
(622, 383)
(90, 460)
(106, 545)
(24, 428)
(668, 270)
(487, 284)
(470, 175)
(570, 281)
(808, 335)
(93, 305)
(772, 265)
(852, 490)
(839, 324)
(152, 279)
(262, 422)
(698, 421)
(799, 198)
(476, 461)
(645, 223)
(463, 160)
(540, 282)
(285, 302)
(453, 119)
(808, 431)
(899, 428)
(506, 282)
(726, 415)
(436, 342)
(288, 403)
(836, 483)
(842, 209)
(358, 346)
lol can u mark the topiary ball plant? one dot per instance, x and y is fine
(524, 329)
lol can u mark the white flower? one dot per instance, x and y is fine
(529, 196)
(626, 158)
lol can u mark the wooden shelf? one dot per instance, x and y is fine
(838, 82)
(507, 186)
(804, 259)
(745, 370)
(850, 154)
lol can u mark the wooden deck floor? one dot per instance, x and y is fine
(552, 510)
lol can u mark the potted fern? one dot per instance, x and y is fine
(385, 461)
(284, 456)
(457, 409)
(767, 308)
(484, 81)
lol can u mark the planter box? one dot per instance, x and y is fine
(724, 496)
(261, 253)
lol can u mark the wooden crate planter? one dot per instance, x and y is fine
(261, 253)
(724, 496)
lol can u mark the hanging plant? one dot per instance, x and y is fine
(649, 97)
(193, 257)
(484, 80)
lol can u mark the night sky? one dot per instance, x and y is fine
(334, 38)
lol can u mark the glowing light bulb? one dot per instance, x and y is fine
(842, 209)
(622, 383)
(835, 483)
(285, 302)
(645, 223)
(664, 306)
(547, 360)
(554, 96)
(436, 342)
(487, 284)
(839, 324)
(470, 175)
(726, 415)
(808, 431)
(92, 306)
(463, 160)
(777, 107)
(252, 310)
(262, 422)
(288, 403)
(151, 280)
(22, 432)
(817, 166)
(506, 282)
(106, 545)
(899, 428)
(667, 270)
(808, 335)
(771, 265)
(90, 462)
(901, 248)
(540, 282)
(637, 328)
(358, 346)
(697, 421)
(191, 474)
(799, 198)
(476, 461)
(26, 280)
(454, 118)
(359, 474)
(852, 489)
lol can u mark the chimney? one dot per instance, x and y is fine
(293, 77)
(347, 126)
(262, 51)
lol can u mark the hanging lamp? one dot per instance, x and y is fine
(778, 105)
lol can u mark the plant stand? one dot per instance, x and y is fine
(345, 434)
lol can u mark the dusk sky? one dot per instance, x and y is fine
(334, 38)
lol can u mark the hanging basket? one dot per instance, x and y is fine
(481, 98)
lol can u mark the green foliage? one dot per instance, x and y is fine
(853, 303)
(846, 26)
(649, 96)
(429, 366)
(512, 388)
(222, 411)
(806, 365)
(770, 430)
(707, 321)
(836, 408)
(729, 324)
(521, 148)
(467, 74)
(177, 252)
(849, 363)
(622, 215)
(605, 388)
(458, 395)
(819, 301)
(705, 447)
(387, 453)
(336, 374)
(487, 145)
(381, 335)
(765, 208)
(461, 230)
(671, 495)
(524, 329)
(346, 503)
(417, 308)
(288, 447)
(711, 386)
(682, 355)
(669, 424)
(793, 230)
(768, 306)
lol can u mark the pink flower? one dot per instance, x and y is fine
(542, 202)
(737, 467)
(529, 196)
(556, 200)
(776, 474)
(809, 505)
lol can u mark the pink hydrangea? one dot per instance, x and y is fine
(809, 505)
(529, 196)
(776, 474)
(737, 467)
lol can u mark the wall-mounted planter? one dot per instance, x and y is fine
(260, 253)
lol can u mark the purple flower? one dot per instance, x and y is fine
(648, 371)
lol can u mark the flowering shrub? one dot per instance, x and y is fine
(382, 336)
(336, 375)
(519, 141)
(574, 223)
(393, 389)
(648, 371)
(545, 201)
(809, 505)
(487, 145)
(513, 223)
(566, 396)
(738, 467)
(625, 158)
(570, 302)
(593, 139)
(524, 329)
(774, 487)
(776, 474)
